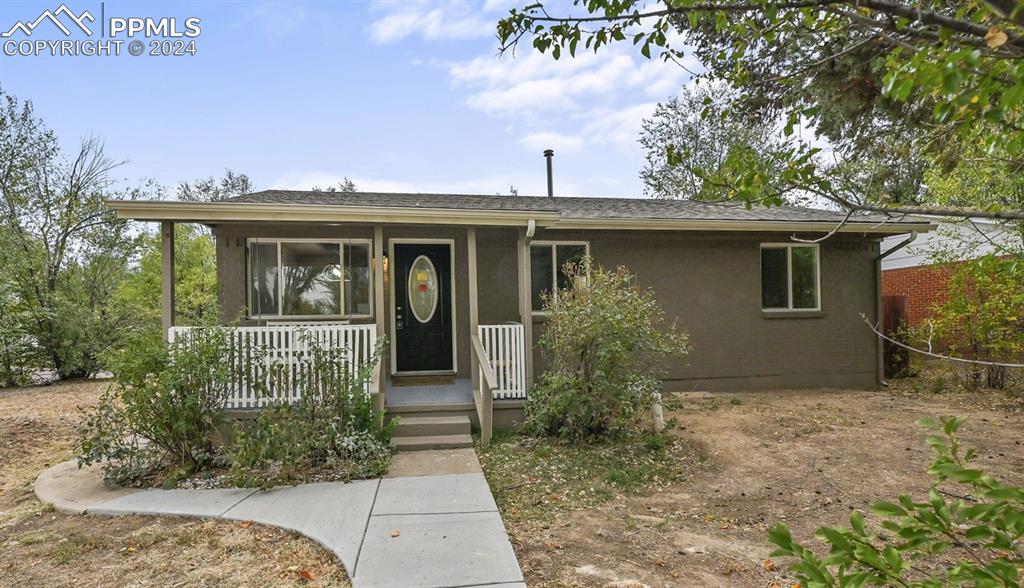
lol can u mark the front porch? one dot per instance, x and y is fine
(490, 369)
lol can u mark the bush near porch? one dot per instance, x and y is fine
(330, 432)
(605, 341)
(163, 420)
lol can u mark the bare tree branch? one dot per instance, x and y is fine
(874, 328)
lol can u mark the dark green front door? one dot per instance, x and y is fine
(423, 307)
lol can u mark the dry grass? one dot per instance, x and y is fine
(39, 547)
(800, 457)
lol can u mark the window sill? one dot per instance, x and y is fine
(784, 314)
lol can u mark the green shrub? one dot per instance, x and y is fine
(604, 343)
(983, 317)
(961, 538)
(163, 414)
(19, 354)
(331, 432)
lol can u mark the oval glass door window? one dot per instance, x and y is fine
(423, 289)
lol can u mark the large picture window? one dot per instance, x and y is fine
(547, 268)
(790, 277)
(309, 278)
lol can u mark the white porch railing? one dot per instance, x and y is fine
(506, 353)
(257, 351)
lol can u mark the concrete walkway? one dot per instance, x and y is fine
(427, 531)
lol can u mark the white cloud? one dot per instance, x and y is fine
(536, 82)
(528, 96)
(549, 140)
(617, 127)
(573, 103)
(452, 20)
(501, 5)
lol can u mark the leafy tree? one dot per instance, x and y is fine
(604, 341)
(954, 538)
(61, 243)
(983, 316)
(707, 141)
(937, 75)
(345, 186)
(195, 280)
(213, 189)
(19, 355)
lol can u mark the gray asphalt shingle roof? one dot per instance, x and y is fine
(567, 207)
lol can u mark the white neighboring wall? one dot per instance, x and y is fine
(950, 234)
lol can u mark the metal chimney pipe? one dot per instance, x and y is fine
(548, 154)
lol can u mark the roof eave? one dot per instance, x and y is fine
(886, 228)
(224, 212)
(221, 212)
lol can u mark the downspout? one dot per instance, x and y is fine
(880, 363)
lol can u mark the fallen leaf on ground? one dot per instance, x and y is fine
(307, 575)
(395, 533)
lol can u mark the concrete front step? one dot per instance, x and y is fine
(432, 442)
(431, 426)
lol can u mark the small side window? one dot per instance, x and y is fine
(547, 268)
(789, 277)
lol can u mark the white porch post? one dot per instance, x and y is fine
(526, 305)
(379, 402)
(474, 315)
(167, 276)
(378, 278)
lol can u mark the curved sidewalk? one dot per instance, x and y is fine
(434, 531)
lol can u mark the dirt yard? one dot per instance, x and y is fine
(39, 547)
(804, 458)
(753, 459)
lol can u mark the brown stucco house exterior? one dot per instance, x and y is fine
(454, 281)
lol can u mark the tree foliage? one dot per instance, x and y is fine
(62, 248)
(953, 538)
(708, 144)
(983, 316)
(604, 343)
(935, 76)
(213, 189)
(345, 186)
(195, 280)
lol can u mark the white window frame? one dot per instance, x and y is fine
(789, 275)
(342, 244)
(553, 245)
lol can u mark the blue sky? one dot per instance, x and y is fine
(405, 96)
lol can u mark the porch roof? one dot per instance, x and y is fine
(559, 212)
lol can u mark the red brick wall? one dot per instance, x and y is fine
(924, 286)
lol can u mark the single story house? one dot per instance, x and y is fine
(455, 283)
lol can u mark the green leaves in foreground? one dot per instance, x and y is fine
(970, 537)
